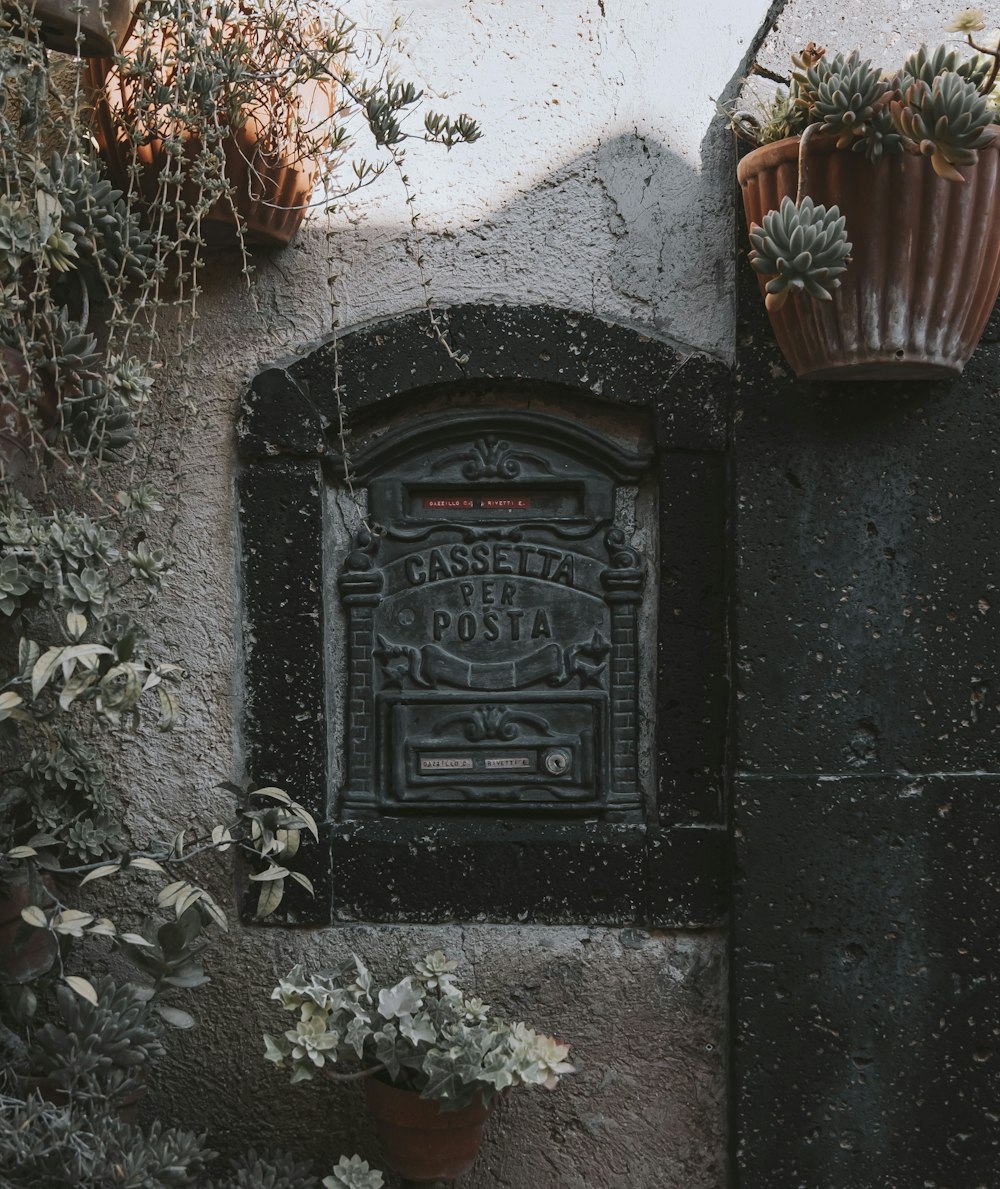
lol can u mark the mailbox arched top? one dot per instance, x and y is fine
(446, 436)
(292, 408)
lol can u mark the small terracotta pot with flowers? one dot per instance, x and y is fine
(225, 114)
(433, 1059)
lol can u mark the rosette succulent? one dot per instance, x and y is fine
(948, 120)
(96, 1048)
(421, 1033)
(803, 249)
(844, 95)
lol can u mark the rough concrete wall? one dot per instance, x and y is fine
(598, 185)
(601, 181)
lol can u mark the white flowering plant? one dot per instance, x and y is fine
(422, 1033)
(354, 1173)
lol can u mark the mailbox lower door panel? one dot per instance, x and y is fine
(467, 755)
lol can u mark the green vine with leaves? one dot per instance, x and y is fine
(102, 255)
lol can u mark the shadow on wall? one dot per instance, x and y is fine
(628, 230)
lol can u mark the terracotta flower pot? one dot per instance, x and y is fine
(925, 265)
(269, 183)
(103, 26)
(420, 1141)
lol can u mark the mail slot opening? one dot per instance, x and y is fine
(529, 503)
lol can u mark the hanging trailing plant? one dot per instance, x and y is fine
(102, 252)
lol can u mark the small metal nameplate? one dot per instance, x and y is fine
(449, 764)
(493, 503)
(495, 763)
(448, 503)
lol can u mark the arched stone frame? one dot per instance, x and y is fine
(669, 871)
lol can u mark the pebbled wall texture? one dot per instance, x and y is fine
(602, 184)
(866, 736)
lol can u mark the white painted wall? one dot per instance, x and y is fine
(596, 186)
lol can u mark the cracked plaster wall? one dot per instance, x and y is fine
(598, 185)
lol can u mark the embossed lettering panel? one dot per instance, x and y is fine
(493, 650)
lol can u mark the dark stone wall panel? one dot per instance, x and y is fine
(281, 531)
(866, 575)
(607, 875)
(866, 932)
(673, 871)
(693, 512)
(692, 704)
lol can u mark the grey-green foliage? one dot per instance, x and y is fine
(64, 790)
(422, 1031)
(108, 236)
(85, 579)
(76, 262)
(279, 1170)
(95, 1049)
(18, 235)
(780, 118)
(948, 120)
(803, 249)
(873, 112)
(843, 94)
(44, 1146)
(926, 65)
(353, 1173)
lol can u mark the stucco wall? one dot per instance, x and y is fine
(601, 184)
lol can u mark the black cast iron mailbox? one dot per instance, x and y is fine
(491, 603)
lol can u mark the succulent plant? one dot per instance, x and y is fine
(97, 1043)
(165, 1157)
(423, 1033)
(277, 1171)
(803, 248)
(49, 1146)
(947, 120)
(842, 94)
(926, 65)
(941, 104)
(353, 1173)
(18, 236)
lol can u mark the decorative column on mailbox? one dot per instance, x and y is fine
(491, 605)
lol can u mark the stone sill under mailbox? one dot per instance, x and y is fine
(617, 855)
(603, 874)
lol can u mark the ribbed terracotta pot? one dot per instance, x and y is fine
(103, 24)
(269, 188)
(925, 265)
(420, 1141)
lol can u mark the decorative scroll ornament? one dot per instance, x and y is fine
(490, 457)
(431, 666)
(495, 722)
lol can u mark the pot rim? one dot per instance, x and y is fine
(765, 156)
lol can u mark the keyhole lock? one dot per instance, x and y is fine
(557, 762)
